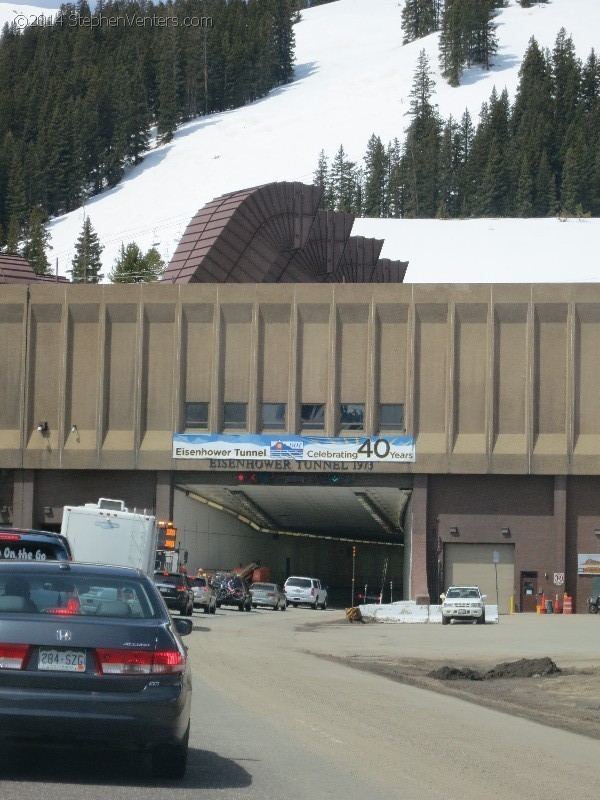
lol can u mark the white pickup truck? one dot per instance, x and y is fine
(463, 602)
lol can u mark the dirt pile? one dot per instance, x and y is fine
(524, 668)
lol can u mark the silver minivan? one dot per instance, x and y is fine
(305, 591)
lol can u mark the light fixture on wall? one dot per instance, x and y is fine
(505, 532)
(4, 510)
(597, 531)
(74, 429)
(454, 531)
(42, 427)
(48, 511)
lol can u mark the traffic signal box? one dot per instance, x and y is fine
(169, 533)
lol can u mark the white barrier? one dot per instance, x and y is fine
(409, 611)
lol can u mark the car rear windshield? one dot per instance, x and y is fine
(199, 581)
(173, 580)
(263, 587)
(75, 595)
(20, 547)
(303, 583)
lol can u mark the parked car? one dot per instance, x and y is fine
(463, 602)
(305, 591)
(369, 595)
(204, 595)
(176, 590)
(111, 673)
(268, 594)
(32, 545)
(232, 591)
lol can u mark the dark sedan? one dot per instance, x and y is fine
(90, 655)
(176, 590)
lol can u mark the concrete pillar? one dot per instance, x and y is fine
(560, 526)
(419, 589)
(164, 495)
(24, 488)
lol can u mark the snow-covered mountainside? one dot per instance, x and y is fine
(353, 78)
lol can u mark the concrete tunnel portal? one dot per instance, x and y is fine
(327, 524)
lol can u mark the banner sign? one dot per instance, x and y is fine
(588, 564)
(398, 449)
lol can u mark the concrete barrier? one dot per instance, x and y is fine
(409, 612)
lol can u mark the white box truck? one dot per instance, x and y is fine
(106, 532)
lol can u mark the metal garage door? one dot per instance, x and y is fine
(474, 564)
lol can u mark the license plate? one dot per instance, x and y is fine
(164, 590)
(62, 660)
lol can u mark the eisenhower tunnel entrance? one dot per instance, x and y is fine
(311, 522)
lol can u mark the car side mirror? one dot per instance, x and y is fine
(442, 597)
(484, 596)
(183, 626)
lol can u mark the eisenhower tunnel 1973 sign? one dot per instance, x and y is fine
(398, 449)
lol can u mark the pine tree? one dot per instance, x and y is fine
(524, 193)
(343, 182)
(570, 187)
(468, 36)
(450, 156)
(376, 169)
(321, 178)
(16, 202)
(86, 264)
(465, 135)
(132, 266)
(13, 236)
(421, 151)
(544, 196)
(394, 185)
(37, 241)
(420, 18)
(566, 78)
(590, 83)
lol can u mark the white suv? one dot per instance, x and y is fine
(463, 602)
(306, 591)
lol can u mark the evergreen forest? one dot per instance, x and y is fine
(535, 157)
(83, 93)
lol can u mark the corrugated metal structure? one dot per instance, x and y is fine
(276, 233)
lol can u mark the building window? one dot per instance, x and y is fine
(312, 416)
(273, 416)
(391, 417)
(352, 416)
(196, 415)
(234, 415)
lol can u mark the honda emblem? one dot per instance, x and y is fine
(63, 635)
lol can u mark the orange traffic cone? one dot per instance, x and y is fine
(557, 608)
(543, 609)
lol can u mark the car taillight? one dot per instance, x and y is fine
(270, 594)
(9, 537)
(180, 588)
(140, 662)
(13, 656)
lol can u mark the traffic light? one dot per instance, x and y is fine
(247, 477)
